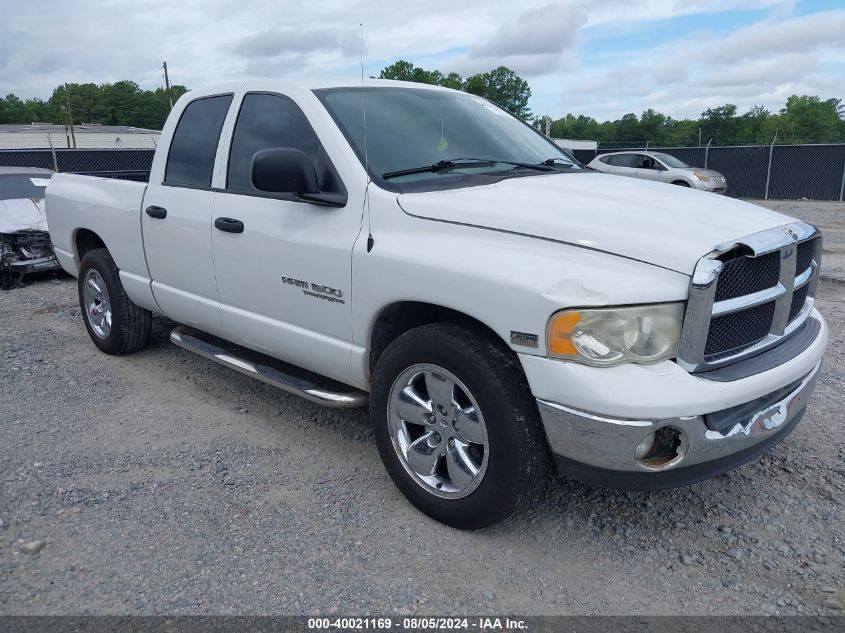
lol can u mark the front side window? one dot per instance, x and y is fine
(269, 121)
(410, 128)
(672, 161)
(193, 147)
(646, 162)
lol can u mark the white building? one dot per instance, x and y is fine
(570, 143)
(89, 135)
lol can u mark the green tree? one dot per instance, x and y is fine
(653, 126)
(628, 128)
(753, 123)
(402, 70)
(811, 119)
(503, 87)
(121, 103)
(452, 80)
(719, 123)
(575, 127)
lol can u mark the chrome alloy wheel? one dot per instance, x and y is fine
(97, 304)
(438, 431)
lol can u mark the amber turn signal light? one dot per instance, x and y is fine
(561, 327)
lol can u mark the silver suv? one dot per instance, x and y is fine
(660, 167)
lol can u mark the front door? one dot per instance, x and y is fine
(649, 168)
(284, 266)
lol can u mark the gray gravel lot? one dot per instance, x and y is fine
(827, 216)
(162, 483)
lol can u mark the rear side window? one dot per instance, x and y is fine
(194, 144)
(622, 160)
(266, 121)
(606, 160)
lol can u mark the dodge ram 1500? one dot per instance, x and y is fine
(497, 305)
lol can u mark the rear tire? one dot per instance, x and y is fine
(115, 324)
(492, 429)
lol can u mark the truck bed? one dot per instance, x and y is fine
(109, 208)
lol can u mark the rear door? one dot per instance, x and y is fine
(176, 219)
(285, 276)
(622, 164)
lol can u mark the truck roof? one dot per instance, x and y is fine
(286, 85)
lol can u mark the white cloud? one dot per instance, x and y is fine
(43, 44)
(763, 63)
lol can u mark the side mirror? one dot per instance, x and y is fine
(284, 170)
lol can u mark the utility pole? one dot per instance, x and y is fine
(699, 137)
(69, 116)
(167, 84)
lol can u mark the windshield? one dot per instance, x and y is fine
(410, 128)
(671, 160)
(14, 186)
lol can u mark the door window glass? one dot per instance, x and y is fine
(622, 160)
(193, 148)
(269, 121)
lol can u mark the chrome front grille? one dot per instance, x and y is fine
(749, 295)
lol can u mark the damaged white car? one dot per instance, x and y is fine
(25, 245)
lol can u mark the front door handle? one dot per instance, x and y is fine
(230, 225)
(157, 212)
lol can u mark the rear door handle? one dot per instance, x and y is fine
(157, 212)
(230, 225)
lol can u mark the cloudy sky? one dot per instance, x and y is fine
(602, 58)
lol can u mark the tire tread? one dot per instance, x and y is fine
(500, 367)
(130, 322)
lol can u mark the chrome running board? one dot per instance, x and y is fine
(189, 339)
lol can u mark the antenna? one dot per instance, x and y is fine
(364, 102)
(370, 241)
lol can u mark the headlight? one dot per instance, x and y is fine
(703, 176)
(609, 336)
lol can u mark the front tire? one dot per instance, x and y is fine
(681, 183)
(456, 425)
(115, 324)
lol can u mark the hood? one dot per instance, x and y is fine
(700, 170)
(656, 223)
(22, 214)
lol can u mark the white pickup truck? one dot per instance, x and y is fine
(494, 303)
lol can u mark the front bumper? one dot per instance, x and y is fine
(712, 186)
(40, 264)
(602, 450)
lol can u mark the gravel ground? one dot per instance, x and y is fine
(827, 216)
(162, 483)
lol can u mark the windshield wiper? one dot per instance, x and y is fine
(534, 166)
(464, 162)
(550, 162)
(439, 166)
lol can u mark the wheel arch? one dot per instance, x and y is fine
(85, 240)
(399, 317)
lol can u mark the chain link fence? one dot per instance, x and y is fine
(126, 164)
(816, 172)
(789, 172)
